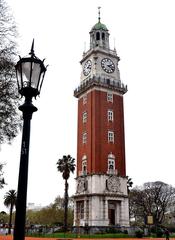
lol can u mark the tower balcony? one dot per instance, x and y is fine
(109, 172)
(112, 172)
(102, 82)
(82, 173)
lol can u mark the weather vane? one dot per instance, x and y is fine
(99, 14)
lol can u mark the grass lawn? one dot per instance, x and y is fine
(75, 235)
(69, 236)
(94, 236)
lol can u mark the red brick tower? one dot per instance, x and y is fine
(101, 197)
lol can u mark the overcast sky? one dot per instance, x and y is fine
(144, 33)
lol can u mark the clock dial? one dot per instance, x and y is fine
(87, 67)
(107, 65)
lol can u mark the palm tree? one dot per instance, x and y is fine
(66, 165)
(10, 200)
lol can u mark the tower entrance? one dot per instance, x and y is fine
(112, 212)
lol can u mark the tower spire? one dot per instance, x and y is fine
(99, 14)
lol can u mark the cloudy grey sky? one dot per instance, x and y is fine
(145, 41)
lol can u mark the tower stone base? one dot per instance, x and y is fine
(101, 200)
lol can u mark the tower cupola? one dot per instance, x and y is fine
(99, 36)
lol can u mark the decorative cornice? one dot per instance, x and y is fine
(99, 50)
(99, 174)
(106, 83)
(106, 194)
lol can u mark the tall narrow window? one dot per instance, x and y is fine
(111, 163)
(111, 136)
(110, 115)
(84, 167)
(84, 140)
(85, 99)
(80, 210)
(109, 97)
(87, 209)
(97, 36)
(84, 117)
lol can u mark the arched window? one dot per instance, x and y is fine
(84, 117)
(103, 36)
(84, 138)
(111, 164)
(97, 36)
(84, 157)
(84, 165)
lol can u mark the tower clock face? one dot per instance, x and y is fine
(87, 67)
(107, 65)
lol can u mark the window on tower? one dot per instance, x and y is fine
(80, 210)
(97, 36)
(110, 115)
(84, 140)
(84, 167)
(109, 97)
(110, 136)
(84, 117)
(111, 164)
(85, 99)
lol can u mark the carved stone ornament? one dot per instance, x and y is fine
(113, 184)
(81, 185)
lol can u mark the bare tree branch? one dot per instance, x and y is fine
(153, 198)
(10, 121)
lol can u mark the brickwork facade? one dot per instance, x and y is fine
(97, 148)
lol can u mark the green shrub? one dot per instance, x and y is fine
(159, 232)
(139, 233)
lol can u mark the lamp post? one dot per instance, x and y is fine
(30, 73)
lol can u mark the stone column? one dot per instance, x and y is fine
(106, 211)
(117, 212)
(124, 212)
(75, 213)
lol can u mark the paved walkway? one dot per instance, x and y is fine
(8, 237)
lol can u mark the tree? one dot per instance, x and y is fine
(59, 205)
(10, 201)
(52, 215)
(129, 183)
(3, 217)
(66, 165)
(10, 120)
(153, 198)
(2, 181)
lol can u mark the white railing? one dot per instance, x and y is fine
(112, 171)
(82, 173)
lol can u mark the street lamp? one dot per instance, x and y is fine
(30, 73)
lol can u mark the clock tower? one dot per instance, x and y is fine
(101, 197)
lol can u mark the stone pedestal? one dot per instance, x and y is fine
(101, 200)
